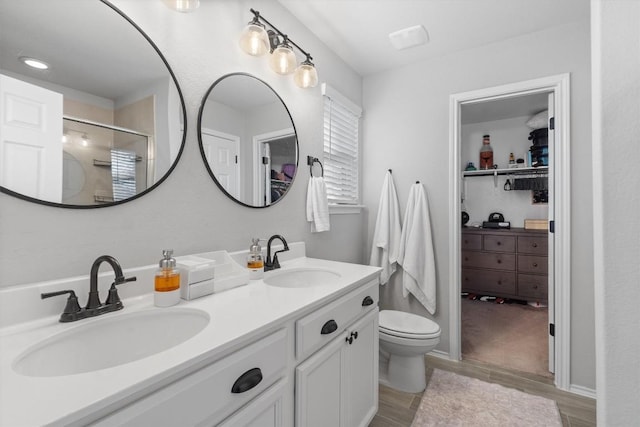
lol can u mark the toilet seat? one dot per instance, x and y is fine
(407, 325)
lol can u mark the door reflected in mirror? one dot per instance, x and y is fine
(248, 140)
(103, 124)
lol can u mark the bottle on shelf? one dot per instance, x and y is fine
(486, 153)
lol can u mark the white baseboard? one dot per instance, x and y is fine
(582, 391)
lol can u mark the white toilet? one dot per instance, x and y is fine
(404, 340)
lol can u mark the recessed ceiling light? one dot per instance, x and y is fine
(409, 37)
(34, 63)
(182, 5)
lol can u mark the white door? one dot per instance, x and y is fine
(362, 371)
(319, 387)
(30, 140)
(551, 275)
(222, 151)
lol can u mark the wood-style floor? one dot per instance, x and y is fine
(397, 409)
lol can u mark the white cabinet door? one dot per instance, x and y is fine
(30, 140)
(319, 387)
(338, 385)
(362, 371)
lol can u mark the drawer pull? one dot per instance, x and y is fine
(535, 264)
(499, 261)
(535, 286)
(354, 335)
(349, 340)
(247, 381)
(534, 244)
(328, 328)
(367, 301)
(498, 243)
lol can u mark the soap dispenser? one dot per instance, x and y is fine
(167, 281)
(255, 262)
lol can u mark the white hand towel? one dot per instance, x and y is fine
(416, 251)
(318, 205)
(386, 237)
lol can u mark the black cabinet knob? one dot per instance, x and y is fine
(247, 381)
(328, 328)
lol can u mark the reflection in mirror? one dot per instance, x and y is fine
(103, 124)
(248, 140)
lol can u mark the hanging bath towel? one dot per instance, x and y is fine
(317, 205)
(416, 251)
(386, 237)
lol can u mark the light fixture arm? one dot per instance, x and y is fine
(278, 33)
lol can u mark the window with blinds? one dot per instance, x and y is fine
(123, 174)
(341, 153)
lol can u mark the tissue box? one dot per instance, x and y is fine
(196, 276)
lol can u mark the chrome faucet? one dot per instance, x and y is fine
(270, 264)
(72, 310)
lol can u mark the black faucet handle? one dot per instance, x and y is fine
(72, 302)
(113, 298)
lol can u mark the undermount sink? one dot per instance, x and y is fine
(301, 278)
(110, 341)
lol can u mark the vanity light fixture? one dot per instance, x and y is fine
(34, 63)
(256, 40)
(182, 5)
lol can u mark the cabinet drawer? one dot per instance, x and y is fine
(471, 242)
(532, 264)
(489, 260)
(321, 326)
(536, 245)
(499, 282)
(494, 242)
(533, 286)
(205, 396)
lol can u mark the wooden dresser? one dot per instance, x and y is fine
(505, 263)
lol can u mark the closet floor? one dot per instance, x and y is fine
(512, 336)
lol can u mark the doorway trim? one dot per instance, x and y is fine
(560, 86)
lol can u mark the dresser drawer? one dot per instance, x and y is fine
(533, 264)
(321, 326)
(498, 282)
(536, 245)
(489, 260)
(471, 242)
(533, 286)
(495, 242)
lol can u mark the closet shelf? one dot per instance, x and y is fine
(541, 170)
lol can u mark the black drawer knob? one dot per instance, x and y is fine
(498, 243)
(535, 264)
(499, 261)
(534, 244)
(367, 301)
(247, 381)
(535, 286)
(328, 328)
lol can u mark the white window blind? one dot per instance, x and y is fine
(341, 152)
(123, 174)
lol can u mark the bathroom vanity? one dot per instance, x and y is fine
(299, 347)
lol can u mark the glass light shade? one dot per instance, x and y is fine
(183, 5)
(306, 75)
(283, 60)
(254, 40)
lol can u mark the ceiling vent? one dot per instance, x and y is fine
(409, 37)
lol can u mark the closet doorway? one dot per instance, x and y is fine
(555, 90)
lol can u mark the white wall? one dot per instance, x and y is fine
(188, 212)
(407, 129)
(616, 126)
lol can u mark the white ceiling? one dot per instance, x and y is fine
(357, 30)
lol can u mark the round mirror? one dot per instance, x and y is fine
(99, 120)
(248, 140)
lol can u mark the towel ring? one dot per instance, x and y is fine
(311, 161)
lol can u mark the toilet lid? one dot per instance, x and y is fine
(402, 324)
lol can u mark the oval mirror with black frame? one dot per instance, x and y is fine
(103, 124)
(248, 140)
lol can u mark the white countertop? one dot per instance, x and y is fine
(236, 316)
